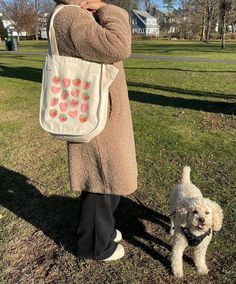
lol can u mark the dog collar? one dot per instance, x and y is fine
(194, 240)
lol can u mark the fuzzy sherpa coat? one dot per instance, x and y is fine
(107, 164)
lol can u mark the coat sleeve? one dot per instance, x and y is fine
(106, 42)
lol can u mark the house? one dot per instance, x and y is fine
(9, 26)
(143, 23)
(42, 20)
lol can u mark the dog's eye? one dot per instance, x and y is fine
(207, 212)
(195, 212)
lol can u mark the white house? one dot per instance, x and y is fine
(9, 26)
(143, 23)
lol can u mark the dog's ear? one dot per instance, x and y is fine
(217, 215)
(181, 215)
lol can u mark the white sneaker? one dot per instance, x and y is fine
(118, 253)
(118, 237)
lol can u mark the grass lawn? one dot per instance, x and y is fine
(183, 114)
(183, 48)
(177, 48)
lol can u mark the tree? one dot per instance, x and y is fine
(3, 31)
(225, 7)
(21, 13)
(127, 5)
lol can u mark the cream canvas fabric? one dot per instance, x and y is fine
(74, 94)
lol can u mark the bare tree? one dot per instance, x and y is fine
(225, 7)
(21, 13)
(128, 5)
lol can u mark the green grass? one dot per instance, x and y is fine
(193, 49)
(183, 114)
(179, 48)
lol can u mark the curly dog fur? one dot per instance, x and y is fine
(189, 209)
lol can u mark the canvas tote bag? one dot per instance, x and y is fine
(74, 94)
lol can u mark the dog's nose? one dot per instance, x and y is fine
(202, 220)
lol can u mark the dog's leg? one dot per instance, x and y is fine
(179, 246)
(200, 256)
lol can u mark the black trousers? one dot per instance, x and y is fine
(96, 230)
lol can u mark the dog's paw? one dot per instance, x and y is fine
(178, 273)
(203, 270)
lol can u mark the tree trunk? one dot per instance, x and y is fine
(36, 29)
(203, 32)
(222, 21)
(208, 31)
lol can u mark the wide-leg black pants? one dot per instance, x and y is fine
(96, 230)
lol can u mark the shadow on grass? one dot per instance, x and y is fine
(24, 73)
(57, 216)
(199, 105)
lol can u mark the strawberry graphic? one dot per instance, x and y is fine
(53, 113)
(55, 89)
(75, 92)
(85, 96)
(56, 80)
(64, 94)
(84, 107)
(76, 82)
(62, 117)
(63, 107)
(73, 113)
(66, 82)
(54, 101)
(87, 85)
(74, 103)
(83, 118)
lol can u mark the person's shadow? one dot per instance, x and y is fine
(57, 216)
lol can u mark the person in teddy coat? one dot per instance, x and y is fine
(105, 168)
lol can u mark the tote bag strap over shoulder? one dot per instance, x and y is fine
(53, 49)
(75, 92)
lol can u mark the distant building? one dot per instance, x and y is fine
(43, 26)
(143, 23)
(9, 26)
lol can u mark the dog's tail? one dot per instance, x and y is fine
(186, 175)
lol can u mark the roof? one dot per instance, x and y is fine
(144, 14)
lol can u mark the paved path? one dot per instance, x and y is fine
(145, 56)
(174, 58)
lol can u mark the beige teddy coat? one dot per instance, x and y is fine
(107, 164)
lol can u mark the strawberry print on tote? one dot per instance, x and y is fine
(65, 94)
(55, 90)
(54, 101)
(62, 117)
(85, 96)
(53, 113)
(75, 92)
(87, 85)
(83, 118)
(70, 99)
(66, 82)
(84, 107)
(56, 80)
(76, 82)
(73, 113)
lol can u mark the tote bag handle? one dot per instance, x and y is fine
(53, 48)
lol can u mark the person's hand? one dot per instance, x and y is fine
(93, 5)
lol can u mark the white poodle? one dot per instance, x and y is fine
(193, 218)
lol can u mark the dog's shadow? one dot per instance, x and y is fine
(57, 216)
